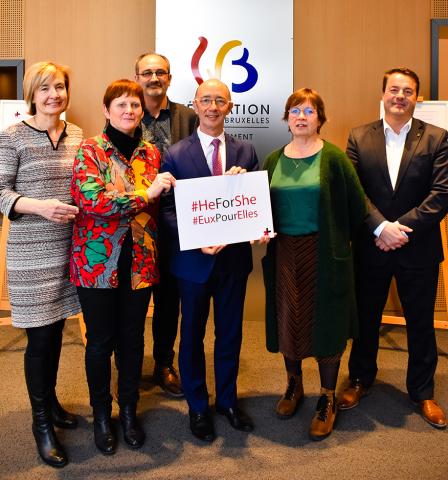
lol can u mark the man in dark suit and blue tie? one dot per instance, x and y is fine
(402, 163)
(219, 272)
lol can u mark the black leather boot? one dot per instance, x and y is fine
(133, 433)
(60, 417)
(48, 446)
(105, 438)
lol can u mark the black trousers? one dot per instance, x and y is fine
(115, 323)
(417, 289)
(166, 310)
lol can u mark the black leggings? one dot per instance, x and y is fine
(43, 339)
(44, 343)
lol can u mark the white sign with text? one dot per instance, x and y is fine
(223, 209)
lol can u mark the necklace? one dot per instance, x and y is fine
(297, 153)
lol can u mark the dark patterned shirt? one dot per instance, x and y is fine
(157, 130)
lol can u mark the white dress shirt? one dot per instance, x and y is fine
(207, 147)
(394, 151)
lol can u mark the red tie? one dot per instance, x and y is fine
(216, 158)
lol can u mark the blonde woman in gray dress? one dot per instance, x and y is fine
(36, 159)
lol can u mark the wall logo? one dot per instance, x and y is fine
(252, 74)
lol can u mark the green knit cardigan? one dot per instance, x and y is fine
(342, 210)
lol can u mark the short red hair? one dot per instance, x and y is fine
(123, 87)
(303, 95)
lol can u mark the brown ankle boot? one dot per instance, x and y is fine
(323, 420)
(287, 405)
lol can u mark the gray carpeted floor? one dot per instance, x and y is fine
(383, 438)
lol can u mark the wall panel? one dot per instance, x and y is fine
(11, 28)
(98, 39)
(443, 63)
(342, 48)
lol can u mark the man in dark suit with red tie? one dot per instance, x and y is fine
(219, 272)
(402, 163)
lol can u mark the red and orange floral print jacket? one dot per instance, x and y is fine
(110, 192)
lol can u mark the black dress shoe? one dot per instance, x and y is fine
(133, 433)
(105, 438)
(201, 425)
(237, 418)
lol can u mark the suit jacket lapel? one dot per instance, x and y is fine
(230, 152)
(174, 123)
(197, 156)
(412, 140)
(379, 148)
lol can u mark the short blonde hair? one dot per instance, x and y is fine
(38, 74)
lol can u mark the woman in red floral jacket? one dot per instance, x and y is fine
(116, 186)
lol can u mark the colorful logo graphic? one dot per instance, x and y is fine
(252, 74)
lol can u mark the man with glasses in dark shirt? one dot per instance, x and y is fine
(164, 123)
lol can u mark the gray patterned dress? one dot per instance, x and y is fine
(38, 250)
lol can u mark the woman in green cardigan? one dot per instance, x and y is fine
(318, 204)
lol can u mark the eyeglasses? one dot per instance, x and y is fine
(296, 111)
(407, 92)
(150, 73)
(207, 101)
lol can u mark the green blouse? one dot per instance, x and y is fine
(295, 189)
